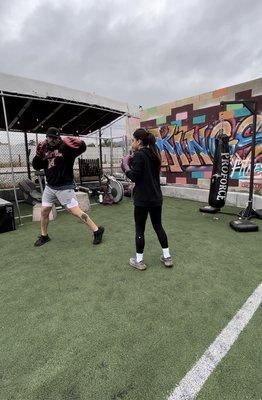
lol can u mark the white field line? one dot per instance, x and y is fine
(193, 381)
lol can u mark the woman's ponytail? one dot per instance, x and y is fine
(148, 139)
(153, 147)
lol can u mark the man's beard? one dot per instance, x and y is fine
(54, 145)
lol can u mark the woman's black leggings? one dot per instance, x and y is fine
(141, 214)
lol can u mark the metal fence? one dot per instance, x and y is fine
(23, 150)
(19, 155)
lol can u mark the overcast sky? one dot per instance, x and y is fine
(145, 52)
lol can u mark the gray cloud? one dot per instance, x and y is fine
(144, 52)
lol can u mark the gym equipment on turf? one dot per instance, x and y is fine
(114, 189)
(110, 188)
(220, 175)
(209, 209)
(7, 219)
(117, 190)
(242, 224)
(30, 192)
(90, 172)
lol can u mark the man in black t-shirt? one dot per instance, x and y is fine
(56, 157)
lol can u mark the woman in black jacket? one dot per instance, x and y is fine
(144, 169)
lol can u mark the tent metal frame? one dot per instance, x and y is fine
(10, 89)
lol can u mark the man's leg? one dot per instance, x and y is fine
(69, 200)
(48, 200)
(45, 211)
(44, 238)
(77, 212)
(97, 230)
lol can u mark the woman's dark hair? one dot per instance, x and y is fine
(148, 140)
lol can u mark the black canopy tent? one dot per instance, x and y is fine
(32, 106)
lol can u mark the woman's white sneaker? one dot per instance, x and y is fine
(168, 262)
(138, 265)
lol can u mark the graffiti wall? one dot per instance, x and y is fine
(186, 130)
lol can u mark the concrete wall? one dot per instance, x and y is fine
(238, 199)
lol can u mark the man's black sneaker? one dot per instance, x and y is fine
(42, 240)
(98, 235)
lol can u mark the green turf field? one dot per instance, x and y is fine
(77, 323)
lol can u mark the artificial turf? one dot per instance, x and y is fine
(78, 323)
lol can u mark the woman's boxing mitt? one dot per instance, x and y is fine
(126, 163)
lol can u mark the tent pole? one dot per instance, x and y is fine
(10, 157)
(100, 150)
(27, 152)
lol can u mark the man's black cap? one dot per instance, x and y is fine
(53, 132)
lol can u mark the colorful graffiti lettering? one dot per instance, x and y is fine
(196, 147)
(241, 168)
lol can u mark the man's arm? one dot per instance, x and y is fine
(72, 147)
(38, 161)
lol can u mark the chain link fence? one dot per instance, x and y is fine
(19, 158)
(23, 149)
